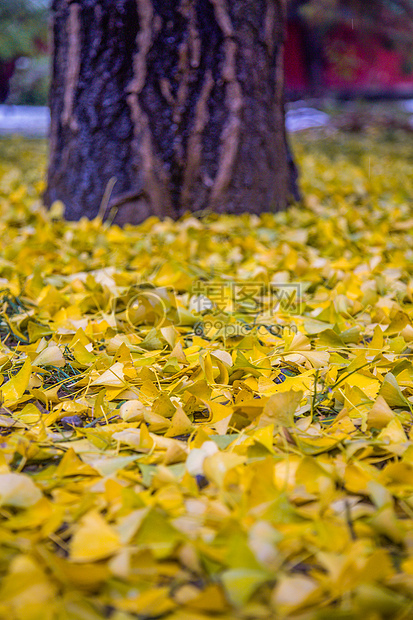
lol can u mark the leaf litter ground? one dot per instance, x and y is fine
(211, 418)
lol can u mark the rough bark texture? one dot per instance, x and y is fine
(164, 106)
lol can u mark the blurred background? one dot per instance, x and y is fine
(336, 50)
(24, 62)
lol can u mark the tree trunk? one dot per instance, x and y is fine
(164, 106)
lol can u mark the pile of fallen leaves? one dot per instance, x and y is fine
(166, 452)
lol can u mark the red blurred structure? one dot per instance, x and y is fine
(365, 64)
(350, 58)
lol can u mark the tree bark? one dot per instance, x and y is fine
(164, 106)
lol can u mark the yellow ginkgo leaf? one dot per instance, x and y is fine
(294, 592)
(93, 540)
(14, 389)
(240, 583)
(380, 414)
(50, 356)
(18, 490)
(113, 377)
(180, 424)
(132, 411)
(215, 467)
(280, 409)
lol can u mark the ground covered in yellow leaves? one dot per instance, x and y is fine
(211, 418)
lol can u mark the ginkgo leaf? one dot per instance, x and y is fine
(241, 583)
(197, 456)
(216, 466)
(280, 409)
(249, 457)
(136, 438)
(50, 356)
(132, 411)
(114, 376)
(180, 424)
(27, 589)
(14, 389)
(392, 393)
(93, 540)
(380, 414)
(18, 490)
(394, 433)
(294, 592)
